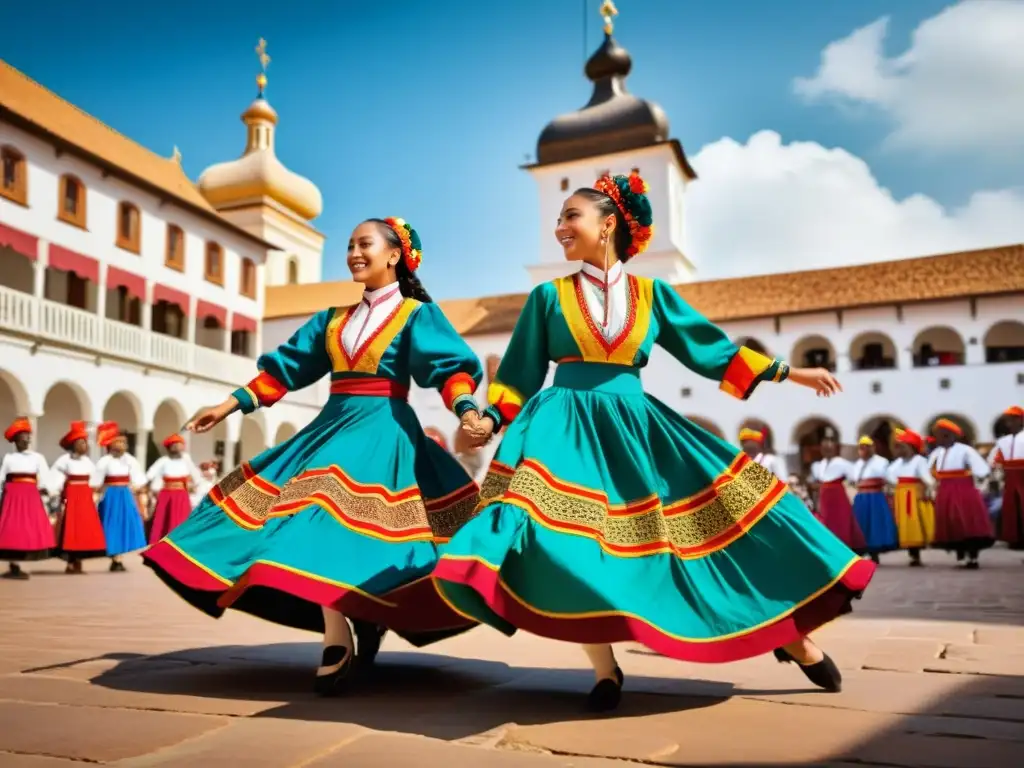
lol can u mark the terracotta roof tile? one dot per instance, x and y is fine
(929, 278)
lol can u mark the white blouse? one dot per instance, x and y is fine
(959, 456)
(592, 283)
(773, 464)
(916, 467)
(830, 470)
(875, 468)
(67, 465)
(124, 465)
(165, 466)
(369, 316)
(1008, 448)
(25, 463)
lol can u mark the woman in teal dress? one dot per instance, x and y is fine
(607, 517)
(344, 519)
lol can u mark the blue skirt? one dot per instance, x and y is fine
(122, 523)
(876, 519)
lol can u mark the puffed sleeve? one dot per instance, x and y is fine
(524, 366)
(706, 350)
(440, 359)
(299, 362)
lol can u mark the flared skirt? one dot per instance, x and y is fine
(25, 529)
(80, 532)
(875, 519)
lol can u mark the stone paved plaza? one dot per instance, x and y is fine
(114, 669)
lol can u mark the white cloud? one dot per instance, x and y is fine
(959, 86)
(765, 206)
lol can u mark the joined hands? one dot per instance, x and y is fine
(479, 429)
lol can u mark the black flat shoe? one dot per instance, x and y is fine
(606, 695)
(368, 639)
(333, 683)
(824, 674)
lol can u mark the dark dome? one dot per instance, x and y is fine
(612, 121)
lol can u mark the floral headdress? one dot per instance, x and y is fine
(629, 193)
(412, 249)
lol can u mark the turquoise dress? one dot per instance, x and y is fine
(350, 512)
(605, 516)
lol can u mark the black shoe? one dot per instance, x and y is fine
(916, 563)
(824, 674)
(972, 565)
(606, 695)
(368, 640)
(15, 572)
(333, 683)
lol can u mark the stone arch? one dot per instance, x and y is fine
(938, 345)
(63, 403)
(168, 418)
(285, 431)
(807, 436)
(708, 425)
(882, 429)
(872, 351)
(1000, 426)
(252, 440)
(968, 426)
(814, 351)
(126, 409)
(14, 401)
(1004, 342)
(752, 342)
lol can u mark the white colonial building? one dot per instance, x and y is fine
(129, 293)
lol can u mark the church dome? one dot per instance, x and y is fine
(614, 120)
(258, 175)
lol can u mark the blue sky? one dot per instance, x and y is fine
(426, 110)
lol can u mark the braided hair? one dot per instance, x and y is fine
(408, 283)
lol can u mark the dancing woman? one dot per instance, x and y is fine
(344, 519)
(120, 476)
(172, 475)
(912, 482)
(80, 533)
(25, 530)
(607, 517)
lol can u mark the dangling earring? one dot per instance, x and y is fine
(605, 239)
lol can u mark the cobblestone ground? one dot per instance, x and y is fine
(114, 669)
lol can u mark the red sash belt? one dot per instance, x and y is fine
(76, 480)
(954, 474)
(117, 482)
(370, 386)
(176, 483)
(20, 477)
(871, 484)
(1013, 465)
(832, 483)
(904, 482)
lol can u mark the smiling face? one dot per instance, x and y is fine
(580, 228)
(371, 257)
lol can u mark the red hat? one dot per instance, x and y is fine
(751, 434)
(77, 431)
(949, 426)
(174, 439)
(1014, 410)
(18, 426)
(106, 433)
(911, 438)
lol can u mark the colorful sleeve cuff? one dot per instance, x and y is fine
(457, 390)
(261, 392)
(463, 404)
(747, 369)
(494, 415)
(506, 400)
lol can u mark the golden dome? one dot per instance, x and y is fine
(258, 174)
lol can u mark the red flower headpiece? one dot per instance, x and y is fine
(412, 253)
(629, 193)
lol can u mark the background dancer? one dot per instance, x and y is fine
(752, 441)
(829, 476)
(120, 475)
(871, 506)
(171, 476)
(912, 483)
(606, 516)
(962, 522)
(1009, 456)
(79, 531)
(26, 533)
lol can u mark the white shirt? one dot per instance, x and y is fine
(124, 465)
(914, 468)
(618, 294)
(25, 463)
(1008, 448)
(369, 316)
(875, 468)
(830, 470)
(165, 466)
(200, 490)
(773, 464)
(957, 457)
(67, 465)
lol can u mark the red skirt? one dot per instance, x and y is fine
(25, 529)
(836, 512)
(173, 506)
(1011, 523)
(961, 517)
(80, 533)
